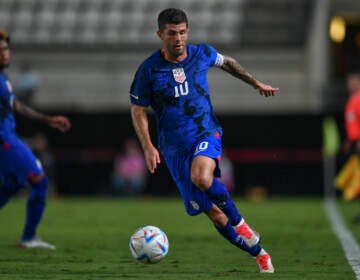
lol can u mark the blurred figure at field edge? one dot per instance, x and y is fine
(227, 172)
(129, 171)
(173, 82)
(352, 119)
(19, 167)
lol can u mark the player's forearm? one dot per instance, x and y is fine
(234, 68)
(141, 125)
(29, 112)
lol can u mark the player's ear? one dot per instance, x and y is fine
(159, 34)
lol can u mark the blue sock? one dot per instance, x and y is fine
(229, 233)
(221, 197)
(35, 208)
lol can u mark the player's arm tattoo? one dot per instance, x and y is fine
(233, 67)
(28, 112)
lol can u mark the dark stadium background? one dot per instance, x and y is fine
(84, 155)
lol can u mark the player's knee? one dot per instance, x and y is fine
(34, 178)
(201, 180)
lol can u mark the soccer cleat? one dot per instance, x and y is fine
(36, 243)
(250, 236)
(264, 262)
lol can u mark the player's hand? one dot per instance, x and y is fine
(152, 158)
(59, 122)
(266, 90)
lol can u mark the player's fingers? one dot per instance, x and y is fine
(264, 93)
(153, 164)
(268, 93)
(157, 158)
(66, 125)
(63, 126)
(150, 166)
(153, 167)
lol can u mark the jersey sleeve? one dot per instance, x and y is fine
(352, 121)
(215, 58)
(141, 89)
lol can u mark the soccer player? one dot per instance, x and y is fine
(173, 82)
(352, 126)
(18, 165)
(352, 113)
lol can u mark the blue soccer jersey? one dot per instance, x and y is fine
(7, 120)
(179, 94)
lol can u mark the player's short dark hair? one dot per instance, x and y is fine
(4, 36)
(171, 16)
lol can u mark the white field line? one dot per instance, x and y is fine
(348, 242)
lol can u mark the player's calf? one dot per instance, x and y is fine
(220, 196)
(35, 207)
(229, 233)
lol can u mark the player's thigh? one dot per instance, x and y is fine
(205, 162)
(19, 161)
(195, 200)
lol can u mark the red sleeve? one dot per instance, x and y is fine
(352, 117)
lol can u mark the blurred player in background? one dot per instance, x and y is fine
(18, 165)
(352, 127)
(173, 82)
(129, 170)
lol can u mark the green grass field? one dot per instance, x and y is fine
(92, 236)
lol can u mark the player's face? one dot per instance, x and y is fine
(4, 54)
(174, 37)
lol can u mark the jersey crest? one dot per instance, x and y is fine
(179, 75)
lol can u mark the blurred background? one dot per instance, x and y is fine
(78, 58)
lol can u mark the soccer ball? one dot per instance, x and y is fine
(149, 244)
